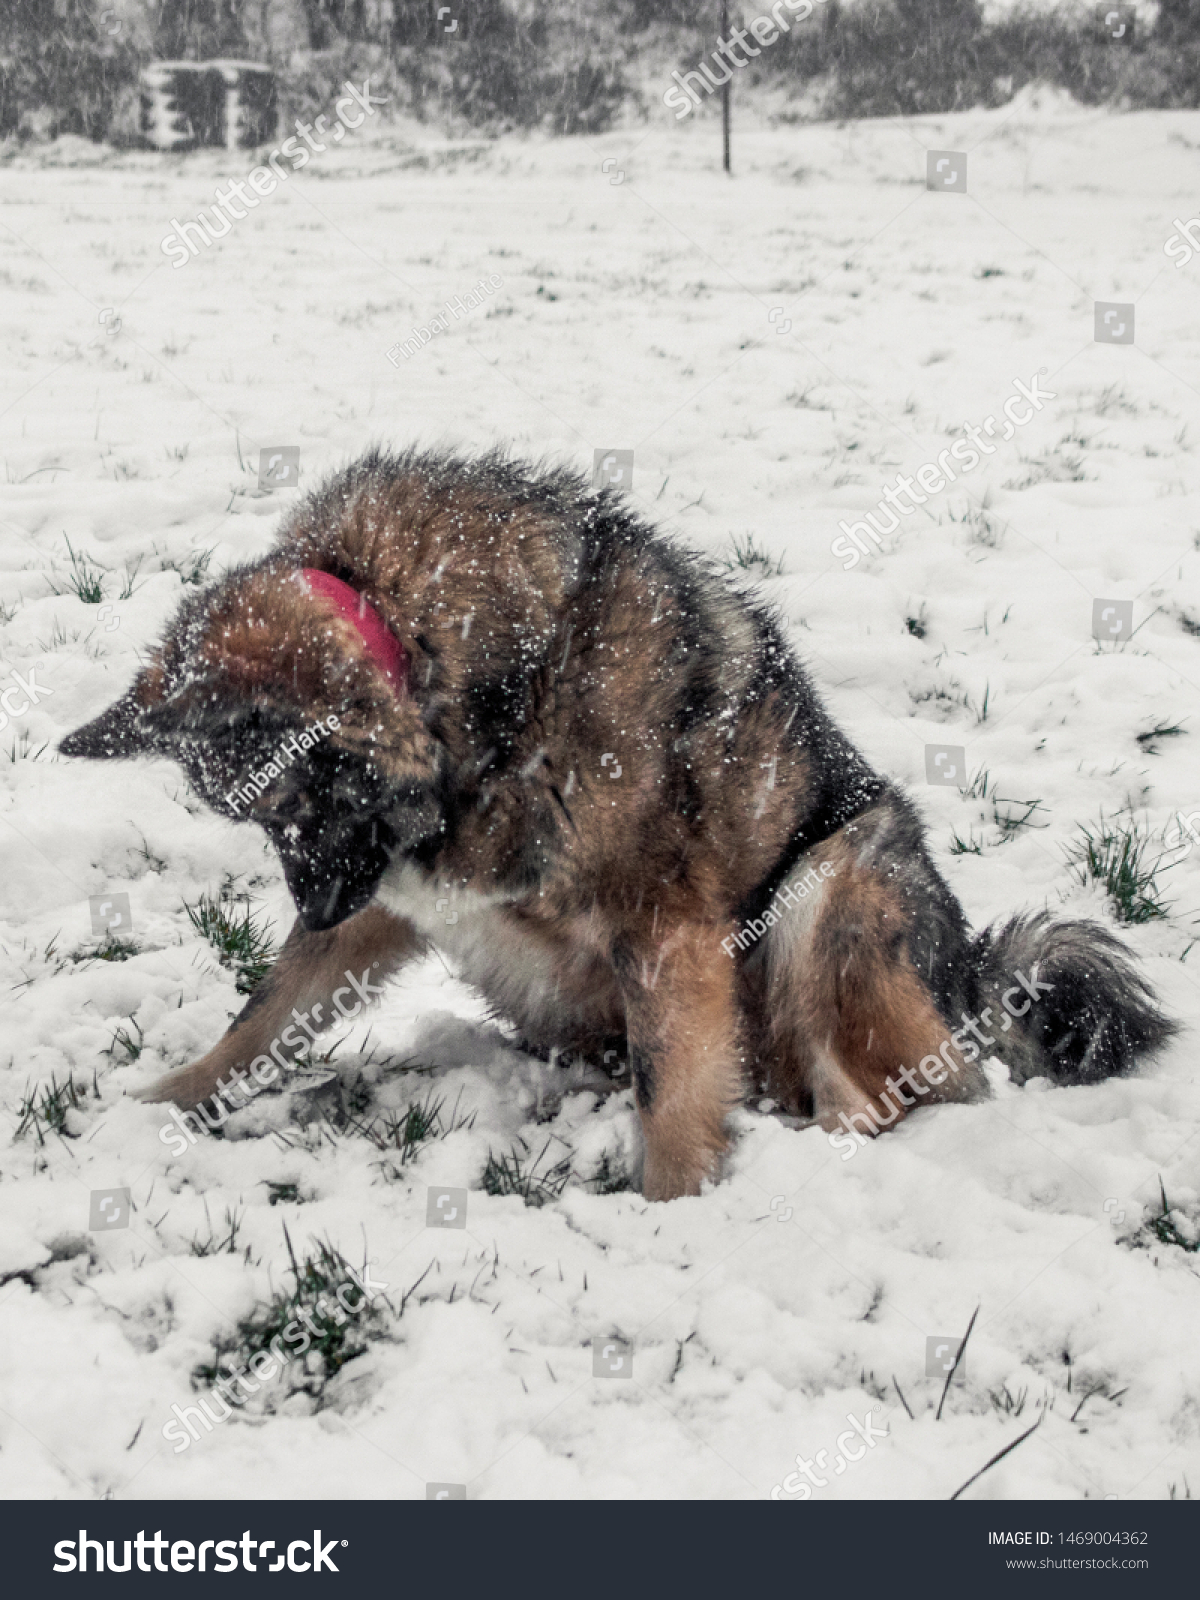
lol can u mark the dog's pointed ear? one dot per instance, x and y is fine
(123, 730)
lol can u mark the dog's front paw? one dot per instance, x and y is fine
(186, 1086)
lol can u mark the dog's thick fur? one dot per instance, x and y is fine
(607, 760)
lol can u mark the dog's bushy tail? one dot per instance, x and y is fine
(1090, 1012)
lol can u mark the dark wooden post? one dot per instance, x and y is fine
(725, 88)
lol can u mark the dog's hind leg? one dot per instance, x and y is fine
(858, 1033)
(323, 977)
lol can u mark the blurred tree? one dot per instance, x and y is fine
(1178, 22)
(61, 71)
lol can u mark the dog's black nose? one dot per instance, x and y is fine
(330, 878)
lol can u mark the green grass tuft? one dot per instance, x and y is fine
(1163, 730)
(45, 1109)
(745, 556)
(122, 1039)
(220, 1244)
(609, 1177)
(1116, 855)
(336, 1337)
(983, 526)
(1167, 1231)
(21, 748)
(402, 1135)
(980, 787)
(970, 846)
(515, 1173)
(1010, 823)
(85, 580)
(110, 949)
(192, 568)
(242, 941)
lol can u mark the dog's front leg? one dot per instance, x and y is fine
(685, 1052)
(323, 977)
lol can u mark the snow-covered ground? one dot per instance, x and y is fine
(638, 309)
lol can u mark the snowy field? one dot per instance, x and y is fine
(775, 350)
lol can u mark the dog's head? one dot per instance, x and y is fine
(283, 694)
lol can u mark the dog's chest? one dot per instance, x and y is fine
(457, 920)
(510, 962)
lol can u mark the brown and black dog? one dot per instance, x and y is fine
(586, 766)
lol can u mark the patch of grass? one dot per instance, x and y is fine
(943, 701)
(1116, 855)
(403, 1134)
(801, 398)
(983, 527)
(20, 749)
(1052, 467)
(609, 1177)
(221, 1243)
(110, 949)
(60, 638)
(515, 1173)
(408, 1132)
(1005, 1403)
(1162, 730)
(1101, 1389)
(334, 1336)
(122, 1039)
(1008, 822)
(970, 846)
(420, 1121)
(1113, 399)
(283, 1194)
(1167, 1231)
(918, 626)
(242, 941)
(192, 568)
(746, 556)
(129, 585)
(981, 786)
(154, 863)
(44, 1109)
(85, 581)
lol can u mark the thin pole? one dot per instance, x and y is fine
(725, 88)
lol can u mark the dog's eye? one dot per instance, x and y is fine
(293, 805)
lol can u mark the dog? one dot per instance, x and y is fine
(582, 762)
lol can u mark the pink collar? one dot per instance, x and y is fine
(382, 645)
